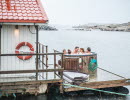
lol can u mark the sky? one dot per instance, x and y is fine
(78, 12)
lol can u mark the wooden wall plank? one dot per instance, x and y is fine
(9, 42)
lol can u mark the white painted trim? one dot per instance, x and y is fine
(23, 23)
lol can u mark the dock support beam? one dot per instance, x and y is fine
(36, 52)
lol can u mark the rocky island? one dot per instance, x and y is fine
(104, 27)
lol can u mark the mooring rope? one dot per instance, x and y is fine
(91, 68)
(111, 73)
(96, 90)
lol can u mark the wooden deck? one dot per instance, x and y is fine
(32, 81)
(100, 84)
(99, 78)
(103, 79)
(23, 87)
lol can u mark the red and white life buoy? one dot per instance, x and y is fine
(24, 44)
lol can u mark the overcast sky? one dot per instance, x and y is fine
(71, 12)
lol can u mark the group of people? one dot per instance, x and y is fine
(77, 50)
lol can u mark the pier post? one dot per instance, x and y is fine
(61, 73)
(54, 64)
(46, 62)
(42, 60)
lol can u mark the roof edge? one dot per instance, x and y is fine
(11, 23)
(42, 9)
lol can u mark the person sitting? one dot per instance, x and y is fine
(88, 50)
(76, 50)
(64, 51)
(69, 51)
(82, 51)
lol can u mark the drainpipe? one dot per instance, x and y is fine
(36, 52)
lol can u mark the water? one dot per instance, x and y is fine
(113, 49)
(44, 97)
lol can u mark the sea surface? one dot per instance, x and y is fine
(112, 48)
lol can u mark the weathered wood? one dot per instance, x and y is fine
(54, 65)
(100, 84)
(30, 71)
(30, 82)
(43, 60)
(23, 87)
(30, 54)
(32, 90)
(71, 64)
(61, 73)
(42, 44)
(105, 82)
(14, 91)
(80, 63)
(78, 55)
(46, 61)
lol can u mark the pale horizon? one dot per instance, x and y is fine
(75, 12)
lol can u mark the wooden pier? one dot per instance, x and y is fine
(98, 78)
(13, 83)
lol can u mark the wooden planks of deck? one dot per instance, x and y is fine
(31, 87)
(100, 84)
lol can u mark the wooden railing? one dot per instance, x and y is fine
(43, 65)
(44, 58)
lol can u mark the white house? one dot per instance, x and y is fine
(19, 21)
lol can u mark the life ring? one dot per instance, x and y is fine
(24, 44)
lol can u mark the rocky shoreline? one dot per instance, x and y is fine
(104, 27)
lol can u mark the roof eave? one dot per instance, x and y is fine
(14, 23)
